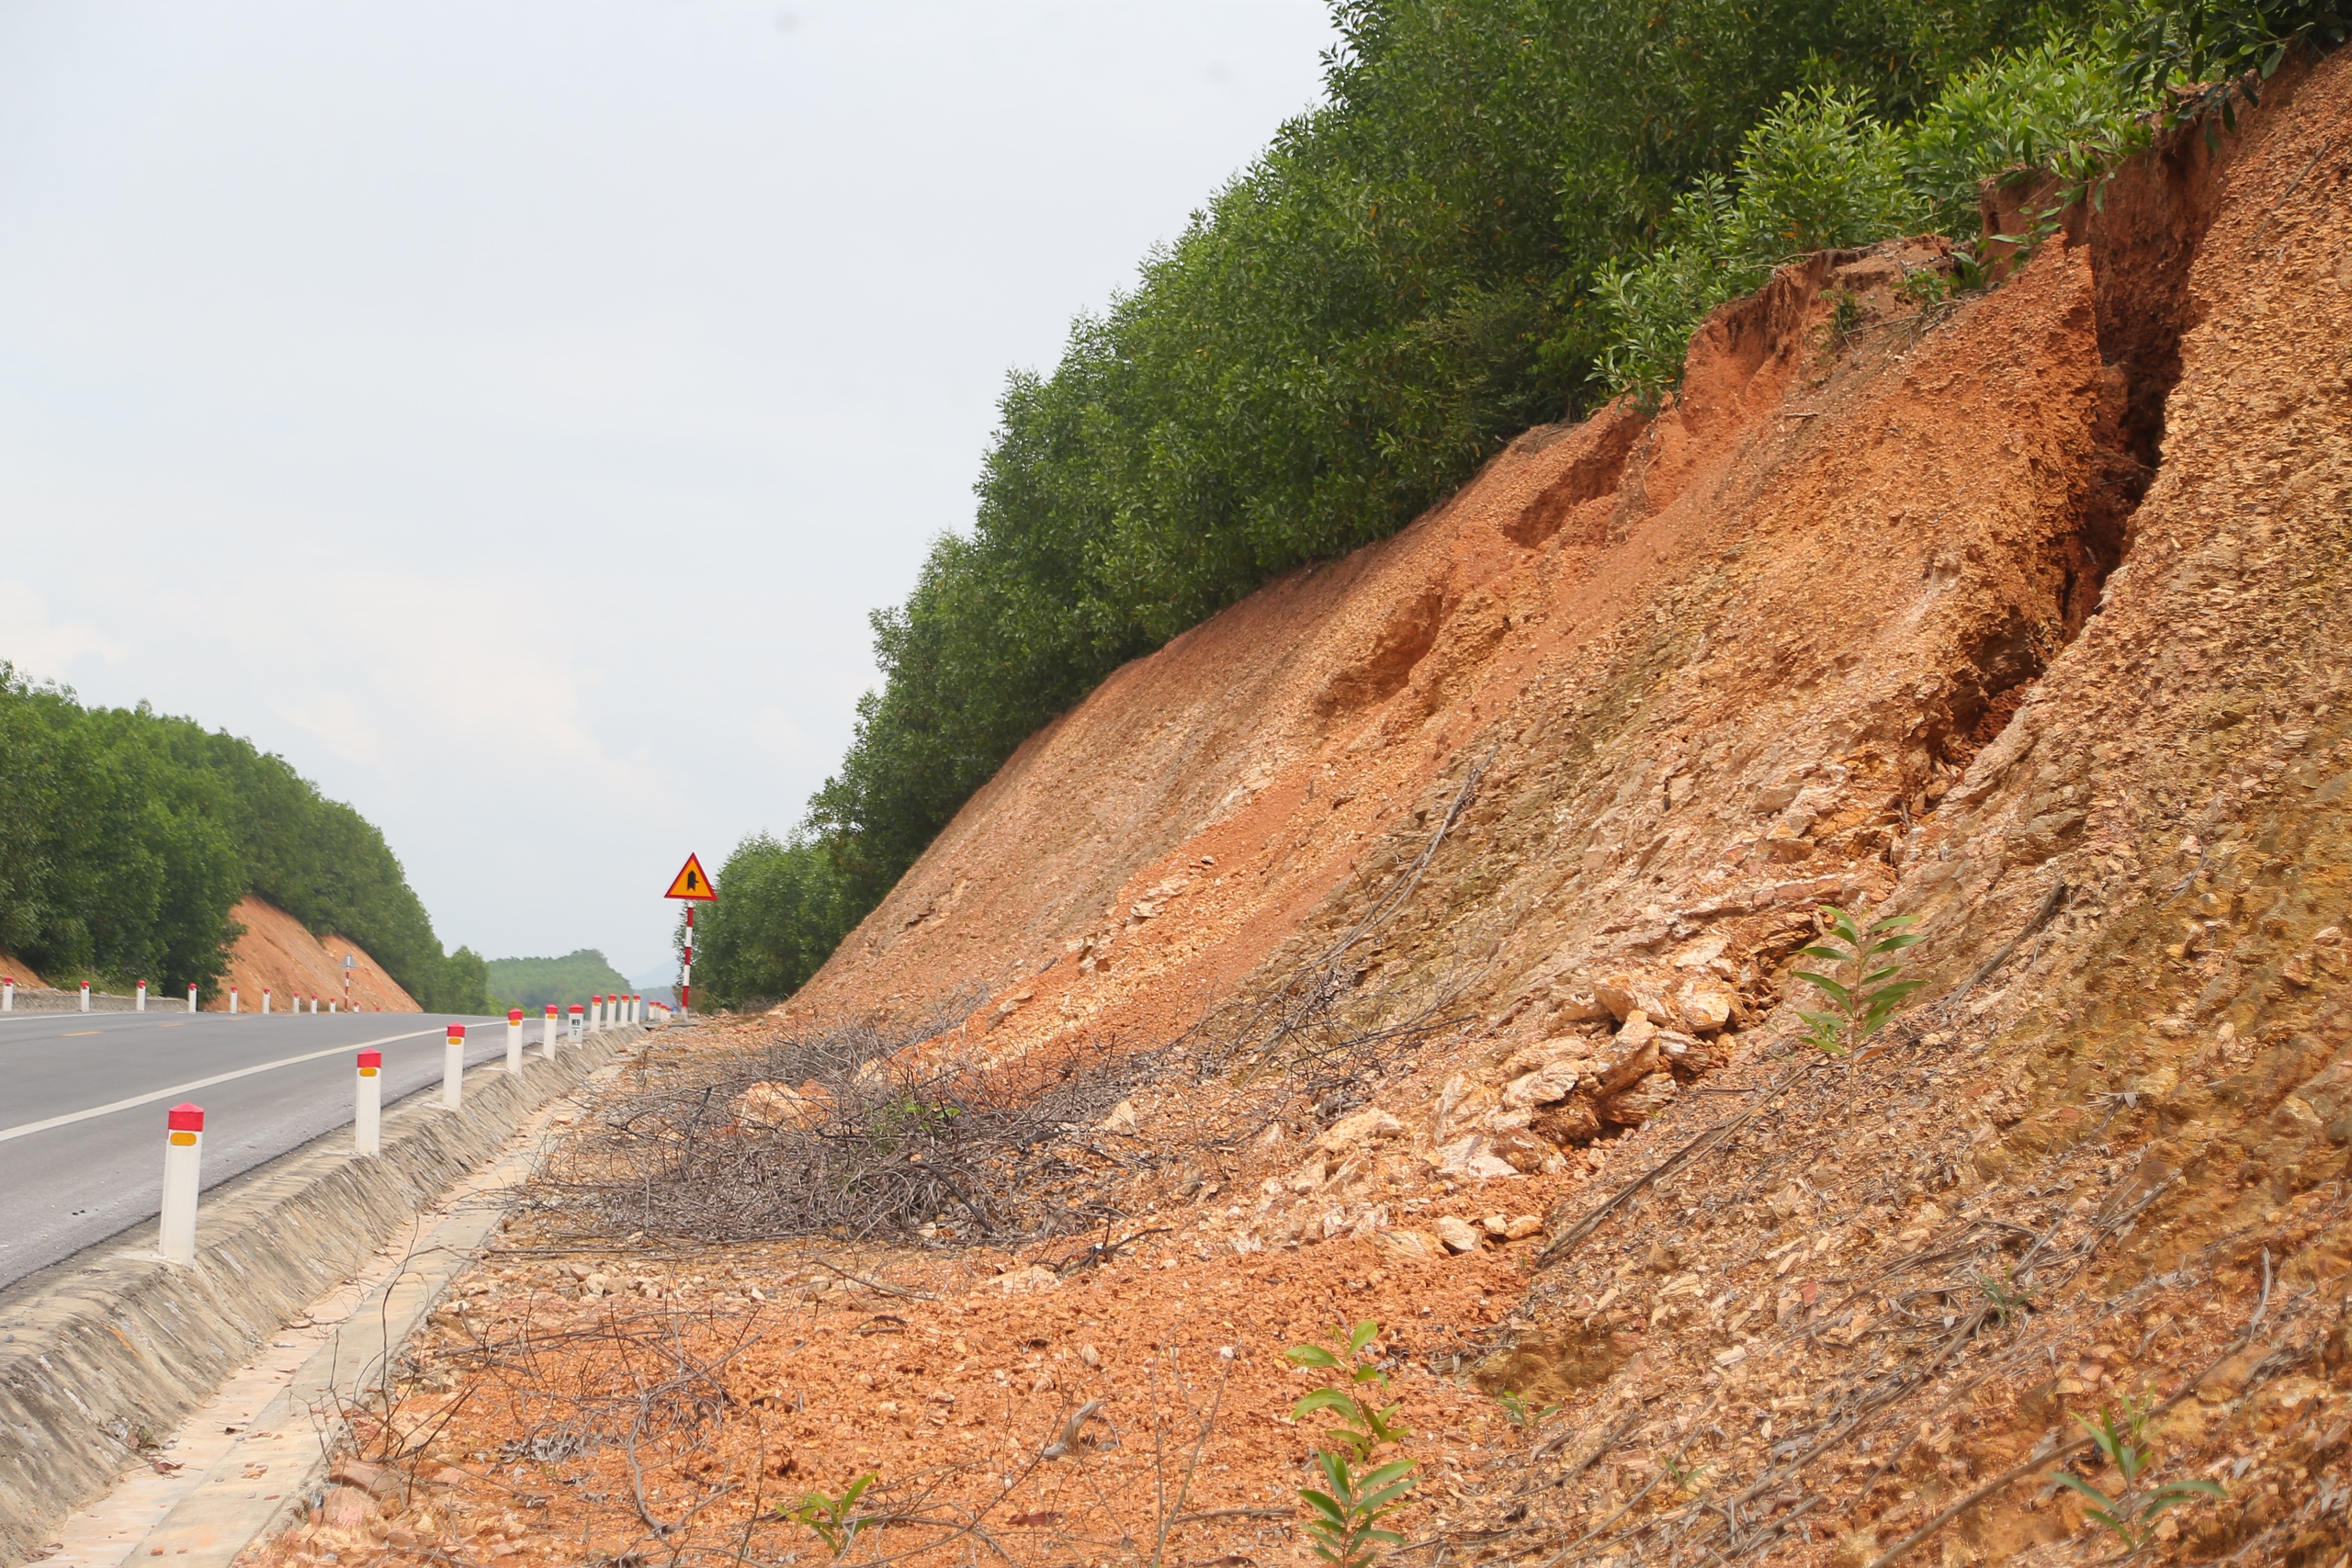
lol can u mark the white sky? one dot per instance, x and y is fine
(509, 413)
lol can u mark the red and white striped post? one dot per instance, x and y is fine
(138, 999)
(183, 1152)
(575, 1023)
(233, 1003)
(453, 1067)
(513, 1040)
(686, 966)
(547, 1033)
(367, 1121)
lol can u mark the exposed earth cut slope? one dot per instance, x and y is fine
(2024, 616)
(278, 953)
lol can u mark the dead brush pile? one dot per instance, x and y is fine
(855, 1131)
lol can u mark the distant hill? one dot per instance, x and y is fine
(529, 983)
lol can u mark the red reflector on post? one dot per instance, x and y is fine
(371, 1058)
(185, 1118)
(457, 1032)
(514, 1015)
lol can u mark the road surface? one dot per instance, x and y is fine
(78, 1165)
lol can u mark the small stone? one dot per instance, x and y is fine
(1522, 1227)
(1090, 1355)
(1459, 1235)
(1029, 1281)
(1363, 1126)
(1495, 1225)
(1124, 1118)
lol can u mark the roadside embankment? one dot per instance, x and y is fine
(104, 1352)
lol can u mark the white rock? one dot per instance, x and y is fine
(1123, 1118)
(1522, 1227)
(1459, 1235)
(1365, 1125)
(1029, 1281)
(1545, 1086)
(1309, 1177)
(1703, 1006)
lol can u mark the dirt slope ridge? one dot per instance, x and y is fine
(278, 953)
(2026, 618)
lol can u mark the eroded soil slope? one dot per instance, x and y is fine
(278, 953)
(2023, 614)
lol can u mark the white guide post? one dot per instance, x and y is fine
(513, 1040)
(191, 998)
(233, 1003)
(138, 999)
(453, 1067)
(182, 1151)
(575, 1023)
(334, 1006)
(8, 993)
(367, 1123)
(85, 995)
(547, 1033)
(265, 999)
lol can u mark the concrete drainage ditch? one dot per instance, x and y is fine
(102, 1354)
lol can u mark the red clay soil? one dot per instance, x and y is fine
(278, 953)
(2023, 615)
(19, 971)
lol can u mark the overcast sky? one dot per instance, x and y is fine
(509, 413)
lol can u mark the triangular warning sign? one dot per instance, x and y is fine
(691, 881)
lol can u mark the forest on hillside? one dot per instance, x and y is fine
(1503, 213)
(127, 837)
(532, 983)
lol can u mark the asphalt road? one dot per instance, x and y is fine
(100, 1171)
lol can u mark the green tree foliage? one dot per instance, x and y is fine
(781, 909)
(1504, 211)
(127, 837)
(532, 983)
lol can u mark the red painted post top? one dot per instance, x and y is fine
(551, 1009)
(371, 1058)
(514, 1015)
(596, 1001)
(575, 1006)
(457, 1032)
(185, 1118)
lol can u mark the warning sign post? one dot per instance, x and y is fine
(693, 884)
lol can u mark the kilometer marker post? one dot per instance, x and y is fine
(453, 1067)
(182, 1157)
(368, 1124)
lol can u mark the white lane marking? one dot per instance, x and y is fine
(31, 1127)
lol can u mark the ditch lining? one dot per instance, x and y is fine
(114, 1347)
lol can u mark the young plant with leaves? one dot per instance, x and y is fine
(1352, 1501)
(1860, 986)
(2130, 1515)
(1348, 1509)
(835, 1519)
(1365, 1424)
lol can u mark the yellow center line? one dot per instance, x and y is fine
(71, 1033)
